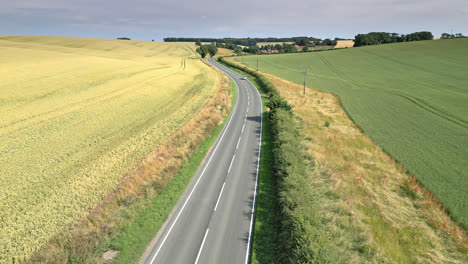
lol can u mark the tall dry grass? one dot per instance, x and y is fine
(375, 210)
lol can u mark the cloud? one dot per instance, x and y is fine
(320, 18)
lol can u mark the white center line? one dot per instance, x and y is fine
(219, 197)
(232, 161)
(196, 183)
(201, 247)
(238, 142)
(243, 127)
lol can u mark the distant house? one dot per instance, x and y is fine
(299, 47)
(269, 51)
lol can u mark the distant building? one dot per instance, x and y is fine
(299, 47)
(269, 51)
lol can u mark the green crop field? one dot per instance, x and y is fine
(78, 114)
(410, 98)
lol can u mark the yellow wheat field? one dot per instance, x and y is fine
(344, 43)
(76, 115)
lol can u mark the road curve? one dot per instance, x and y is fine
(213, 220)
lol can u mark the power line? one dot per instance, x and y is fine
(304, 70)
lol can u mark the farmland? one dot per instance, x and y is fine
(410, 98)
(344, 43)
(76, 115)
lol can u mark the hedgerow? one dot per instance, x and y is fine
(302, 236)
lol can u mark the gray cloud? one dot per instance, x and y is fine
(146, 19)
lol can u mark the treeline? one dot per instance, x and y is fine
(375, 38)
(302, 235)
(451, 36)
(241, 41)
(281, 48)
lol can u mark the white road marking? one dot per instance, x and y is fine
(196, 184)
(232, 161)
(255, 190)
(247, 108)
(219, 197)
(256, 182)
(238, 142)
(243, 127)
(201, 247)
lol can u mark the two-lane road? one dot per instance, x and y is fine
(213, 220)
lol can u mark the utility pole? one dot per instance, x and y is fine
(304, 70)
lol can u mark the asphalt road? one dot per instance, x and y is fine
(213, 220)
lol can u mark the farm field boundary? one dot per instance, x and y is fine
(373, 210)
(410, 98)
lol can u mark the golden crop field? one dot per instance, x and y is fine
(76, 115)
(344, 43)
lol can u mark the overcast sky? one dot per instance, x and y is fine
(156, 19)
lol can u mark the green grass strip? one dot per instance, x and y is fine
(134, 239)
(265, 232)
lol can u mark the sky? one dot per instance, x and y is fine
(156, 19)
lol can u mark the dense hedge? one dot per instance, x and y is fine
(302, 236)
(267, 86)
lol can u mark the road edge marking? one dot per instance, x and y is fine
(199, 178)
(201, 247)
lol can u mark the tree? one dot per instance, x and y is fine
(302, 41)
(212, 50)
(445, 36)
(203, 51)
(305, 49)
(253, 49)
(237, 50)
(197, 42)
(329, 42)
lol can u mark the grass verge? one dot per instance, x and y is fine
(134, 239)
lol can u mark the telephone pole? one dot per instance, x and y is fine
(304, 70)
